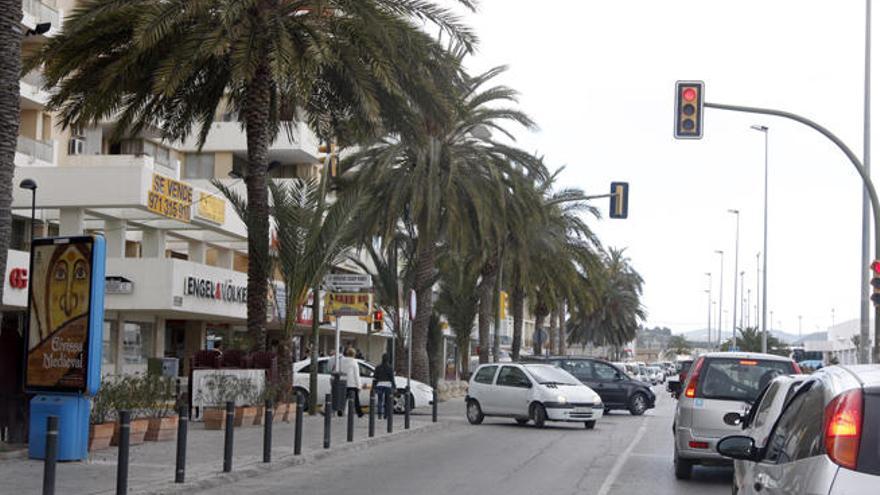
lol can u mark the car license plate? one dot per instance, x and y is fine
(582, 410)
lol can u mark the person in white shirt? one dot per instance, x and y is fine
(350, 370)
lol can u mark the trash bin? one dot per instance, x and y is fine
(337, 391)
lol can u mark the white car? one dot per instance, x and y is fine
(537, 392)
(422, 395)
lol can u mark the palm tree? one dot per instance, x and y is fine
(10, 72)
(170, 64)
(445, 179)
(458, 300)
(678, 344)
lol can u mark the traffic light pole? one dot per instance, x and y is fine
(866, 179)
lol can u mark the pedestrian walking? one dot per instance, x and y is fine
(383, 383)
(349, 368)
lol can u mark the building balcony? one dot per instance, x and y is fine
(43, 151)
(31, 91)
(300, 147)
(37, 12)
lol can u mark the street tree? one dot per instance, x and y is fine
(458, 300)
(10, 117)
(678, 345)
(749, 340)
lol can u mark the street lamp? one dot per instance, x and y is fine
(31, 185)
(735, 270)
(720, 294)
(709, 325)
(765, 130)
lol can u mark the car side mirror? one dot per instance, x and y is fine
(618, 376)
(525, 384)
(738, 447)
(733, 419)
(674, 386)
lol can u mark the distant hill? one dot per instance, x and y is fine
(789, 338)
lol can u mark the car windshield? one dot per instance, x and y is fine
(739, 379)
(550, 375)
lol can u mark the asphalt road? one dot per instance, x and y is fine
(623, 455)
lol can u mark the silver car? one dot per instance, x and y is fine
(826, 441)
(718, 384)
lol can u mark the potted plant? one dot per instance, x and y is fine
(101, 419)
(159, 396)
(285, 406)
(216, 390)
(249, 396)
(128, 396)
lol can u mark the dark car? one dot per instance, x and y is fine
(617, 389)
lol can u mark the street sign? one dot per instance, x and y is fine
(348, 282)
(348, 304)
(619, 200)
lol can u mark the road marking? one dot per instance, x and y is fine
(618, 466)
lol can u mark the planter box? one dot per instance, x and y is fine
(245, 415)
(258, 417)
(214, 418)
(161, 429)
(100, 435)
(137, 431)
(284, 412)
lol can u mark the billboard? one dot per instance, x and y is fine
(65, 315)
(348, 304)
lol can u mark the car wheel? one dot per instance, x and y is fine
(399, 404)
(474, 412)
(605, 413)
(638, 404)
(539, 415)
(522, 421)
(301, 392)
(683, 467)
(590, 424)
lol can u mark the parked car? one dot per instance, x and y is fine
(421, 394)
(656, 374)
(759, 421)
(826, 441)
(536, 392)
(617, 389)
(718, 384)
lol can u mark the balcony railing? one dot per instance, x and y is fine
(43, 11)
(34, 78)
(41, 150)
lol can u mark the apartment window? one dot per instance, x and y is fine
(19, 239)
(199, 166)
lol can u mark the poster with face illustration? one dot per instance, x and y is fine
(60, 300)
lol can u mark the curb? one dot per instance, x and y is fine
(14, 454)
(206, 481)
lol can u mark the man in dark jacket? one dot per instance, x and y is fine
(383, 384)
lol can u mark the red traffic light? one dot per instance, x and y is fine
(377, 315)
(689, 94)
(875, 267)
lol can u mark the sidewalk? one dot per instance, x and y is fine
(151, 468)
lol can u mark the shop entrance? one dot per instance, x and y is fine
(13, 401)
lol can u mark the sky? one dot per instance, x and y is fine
(598, 77)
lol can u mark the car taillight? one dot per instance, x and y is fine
(843, 428)
(691, 390)
(698, 445)
(797, 368)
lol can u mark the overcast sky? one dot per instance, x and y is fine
(598, 76)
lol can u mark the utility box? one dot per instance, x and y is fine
(73, 426)
(162, 366)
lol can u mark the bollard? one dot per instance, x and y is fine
(227, 440)
(51, 455)
(434, 406)
(122, 458)
(389, 411)
(372, 413)
(349, 436)
(182, 424)
(298, 426)
(267, 433)
(328, 411)
(406, 408)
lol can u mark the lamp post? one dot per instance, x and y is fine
(742, 299)
(766, 131)
(735, 270)
(720, 294)
(31, 185)
(709, 325)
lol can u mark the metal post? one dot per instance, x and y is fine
(406, 407)
(764, 280)
(349, 434)
(337, 353)
(864, 336)
(328, 413)
(434, 406)
(720, 296)
(372, 413)
(228, 438)
(298, 426)
(267, 432)
(389, 411)
(735, 284)
(122, 457)
(709, 319)
(51, 455)
(742, 299)
(182, 424)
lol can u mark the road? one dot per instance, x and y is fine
(623, 455)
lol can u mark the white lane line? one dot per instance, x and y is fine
(618, 466)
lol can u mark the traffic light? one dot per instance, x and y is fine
(689, 109)
(378, 320)
(875, 283)
(619, 200)
(329, 149)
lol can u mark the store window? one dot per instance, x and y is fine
(108, 352)
(199, 166)
(137, 344)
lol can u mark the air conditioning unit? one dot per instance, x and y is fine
(76, 146)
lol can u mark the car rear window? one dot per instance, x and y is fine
(869, 450)
(738, 379)
(485, 374)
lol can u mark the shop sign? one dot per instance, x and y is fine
(170, 198)
(348, 304)
(219, 291)
(211, 208)
(348, 282)
(118, 285)
(18, 278)
(66, 314)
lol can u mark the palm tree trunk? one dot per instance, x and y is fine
(561, 328)
(464, 359)
(539, 324)
(258, 140)
(424, 277)
(554, 331)
(10, 71)
(517, 306)
(487, 303)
